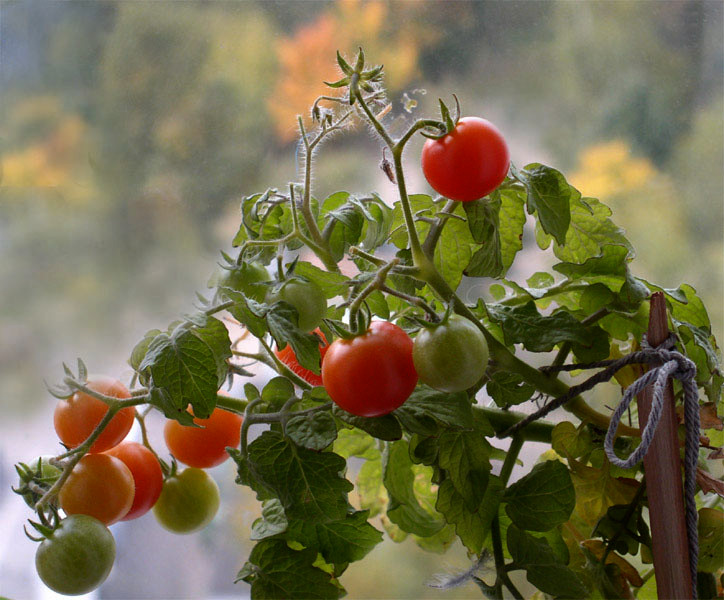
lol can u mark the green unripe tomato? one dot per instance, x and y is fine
(77, 556)
(188, 501)
(452, 356)
(711, 525)
(307, 298)
(246, 278)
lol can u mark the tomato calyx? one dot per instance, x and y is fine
(448, 122)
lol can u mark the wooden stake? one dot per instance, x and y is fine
(662, 466)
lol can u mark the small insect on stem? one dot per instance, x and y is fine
(386, 166)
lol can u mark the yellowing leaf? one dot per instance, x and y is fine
(597, 490)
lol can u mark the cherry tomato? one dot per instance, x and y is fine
(204, 447)
(452, 356)
(287, 356)
(100, 486)
(147, 476)
(372, 374)
(188, 502)
(77, 557)
(76, 417)
(307, 298)
(246, 278)
(467, 163)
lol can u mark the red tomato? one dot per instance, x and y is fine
(147, 476)
(100, 486)
(77, 417)
(205, 446)
(372, 374)
(467, 163)
(287, 356)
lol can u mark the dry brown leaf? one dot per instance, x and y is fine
(708, 484)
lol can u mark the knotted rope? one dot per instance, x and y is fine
(667, 363)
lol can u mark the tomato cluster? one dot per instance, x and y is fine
(119, 480)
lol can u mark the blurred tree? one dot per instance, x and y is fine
(391, 33)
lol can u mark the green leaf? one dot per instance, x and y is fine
(421, 205)
(549, 196)
(316, 431)
(609, 267)
(454, 250)
(524, 324)
(275, 571)
(139, 350)
(338, 542)
(383, 428)
(542, 499)
(242, 312)
(189, 365)
(307, 483)
(371, 490)
(512, 222)
(379, 223)
(272, 522)
(590, 231)
(544, 569)
(404, 509)
(282, 320)
(711, 541)
(276, 392)
(508, 389)
(465, 455)
(347, 223)
(484, 224)
(472, 527)
(452, 410)
(569, 440)
(355, 442)
(332, 284)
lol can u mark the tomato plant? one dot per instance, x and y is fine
(77, 556)
(287, 356)
(467, 163)
(147, 476)
(100, 486)
(188, 502)
(35, 477)
(451, 356)
(76, 417)
(371, 374)
(203, 446)
(307, 298)
(433, 461)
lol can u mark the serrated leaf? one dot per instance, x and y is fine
(549, 196)
(355, 442)
(543, 568)
(452, 410)
(140, 349)
(465, 456)
(484, 225)
(609, 267)
(404, 509)
(272, 522)
(597, 490)
(383, 428)
(569, 440)
(508, 389)
(316, 431)
(542, 499)
(338, 542)
(189, 365)
(275, 393)
(538, 333)
(472, 527)
(332, 284)
(307, 483)
(589, 232)
(276, 571)
(282, 320)
(454, 250)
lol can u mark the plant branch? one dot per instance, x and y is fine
(428, 246)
